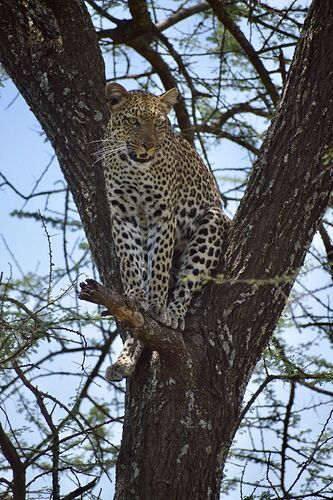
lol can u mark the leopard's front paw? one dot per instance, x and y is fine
(168, 317)
(158, 313)
(176, 317)
(176, 321)
(140, 297)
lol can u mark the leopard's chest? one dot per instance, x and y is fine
(144, 191)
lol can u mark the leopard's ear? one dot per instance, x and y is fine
(169, 98)
(115, 95)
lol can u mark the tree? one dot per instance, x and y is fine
(184, 406)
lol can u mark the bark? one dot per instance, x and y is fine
(9, 452)
(182, 411)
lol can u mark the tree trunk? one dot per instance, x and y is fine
(181, 416)
(183, 409)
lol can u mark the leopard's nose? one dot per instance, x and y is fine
(148, 145)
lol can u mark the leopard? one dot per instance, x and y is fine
(168, 224)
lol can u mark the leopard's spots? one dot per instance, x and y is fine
(165, 208)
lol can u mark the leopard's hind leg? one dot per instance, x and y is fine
(197, 262)
(126, 361)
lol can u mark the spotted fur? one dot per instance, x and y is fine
(165, 208)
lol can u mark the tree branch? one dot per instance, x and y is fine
(12, 457)
(182, 14)
(39, 395)
(223, 15)
(120, 306)
(328, 246)
(104, 13)
(241, 107)
(222, 134)
(126, 310)
(298, 377)
(82, 489)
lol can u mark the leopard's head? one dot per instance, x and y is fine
(139, 120)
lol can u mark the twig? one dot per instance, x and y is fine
(80, 490)
(49, 288)
(285, 437)
(182, 14)
(39, 395)
(299, 377)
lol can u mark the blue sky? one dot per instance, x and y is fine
(24, 156)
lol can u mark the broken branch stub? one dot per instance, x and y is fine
(120, 306)
(156, 337)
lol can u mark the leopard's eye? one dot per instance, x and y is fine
(132, 120)
(159, 122)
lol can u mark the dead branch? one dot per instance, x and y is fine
(126, 310)
(82, 489)
(120, 306)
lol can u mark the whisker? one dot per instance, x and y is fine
(108, 149)
(112, 145)
(108, 140)
(109, 155)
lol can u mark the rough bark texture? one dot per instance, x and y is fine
(181, 414)
(180, 424)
